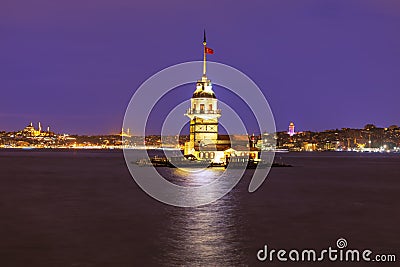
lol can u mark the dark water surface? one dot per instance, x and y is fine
(82, 208)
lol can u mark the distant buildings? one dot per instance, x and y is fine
(30, 131)
(31, 137)
(125, 134)
(368, 139)
(291, 129)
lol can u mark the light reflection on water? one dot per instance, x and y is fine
(205, 235)
(193, 176)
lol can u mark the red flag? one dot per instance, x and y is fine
(209, 50)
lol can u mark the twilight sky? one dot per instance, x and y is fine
(74, 65)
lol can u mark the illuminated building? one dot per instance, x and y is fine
(291, 129)
(32, 132)
(204, 142)
(29, 130)
(125, 134)
(203, 114)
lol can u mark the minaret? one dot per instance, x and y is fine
(203, 113)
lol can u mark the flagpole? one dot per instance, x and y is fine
(204, 57)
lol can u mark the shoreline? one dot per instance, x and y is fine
(175, 149)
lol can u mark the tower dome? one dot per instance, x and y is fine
(204, 95)
(204, 90)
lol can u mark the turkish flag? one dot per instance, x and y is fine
(209, 50)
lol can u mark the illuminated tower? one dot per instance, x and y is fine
(291, 129)
(203, 114)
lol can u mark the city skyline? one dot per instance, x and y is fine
(323, 65)
(291, 129)
(368, 139)
(47, 126)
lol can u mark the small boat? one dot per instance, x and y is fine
(240, 162)
(143, 163)
(189, 162)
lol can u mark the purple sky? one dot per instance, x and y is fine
(75, 64)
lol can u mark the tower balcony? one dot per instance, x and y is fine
(197, 111)
(206, 114)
